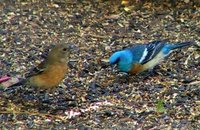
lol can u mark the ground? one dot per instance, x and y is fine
(94, 94)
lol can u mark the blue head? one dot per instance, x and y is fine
(123, 59)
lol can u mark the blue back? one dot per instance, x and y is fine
(137, 52)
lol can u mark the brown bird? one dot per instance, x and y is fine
(51, 71)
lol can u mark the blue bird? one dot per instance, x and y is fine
(142, 57)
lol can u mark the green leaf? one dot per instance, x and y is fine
(160, 106)
(4, 128)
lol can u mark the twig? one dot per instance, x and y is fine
(98, 36)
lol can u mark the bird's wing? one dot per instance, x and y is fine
(37, 70)
(151, 50)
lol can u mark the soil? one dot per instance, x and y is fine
(94, 94)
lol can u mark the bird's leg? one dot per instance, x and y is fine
(41, 97)
(46, 96)
(151, 72)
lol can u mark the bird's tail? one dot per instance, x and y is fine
(180, 44)
(15, 86)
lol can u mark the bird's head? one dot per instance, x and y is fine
(61, 52)
(123, 59)
(115, 58)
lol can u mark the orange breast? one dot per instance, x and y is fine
(49, 78)
(136, 68)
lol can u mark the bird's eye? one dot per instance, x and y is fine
(64, 49)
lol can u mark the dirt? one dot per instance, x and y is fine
(94, 94)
